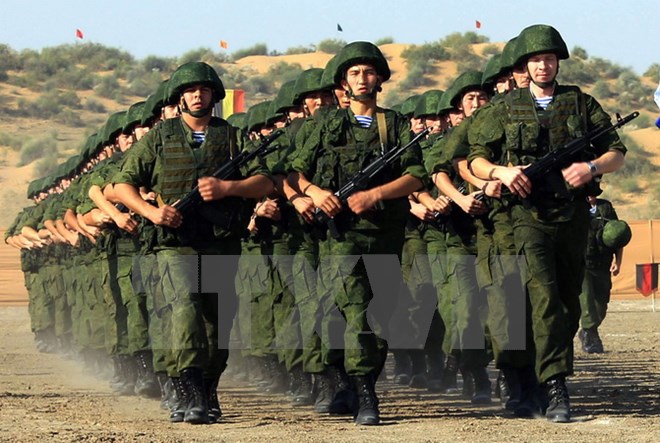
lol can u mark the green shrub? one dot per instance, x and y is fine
(384, 41)
(653, 72)
(15, 142)
(258, 49)
(282, 72)
(37, 148)
(425, 53)
(106, 86)
(46, 165)
(579, 52)
(629, 185)
(70, 118)
(300, 50)
(330, 45)
(93, 105)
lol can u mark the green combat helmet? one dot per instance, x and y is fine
(616, 234)
(272, 115)
(133, 117)
(307, 82)
(328, 77)
(428, 103)
(193, 73)
(492, 71)
(361, 53)
(257, 115)
(113, 127)
(467, 81)
(284, 99)
(537, 39)
(238, 120)
(408, 106)
(509, 55)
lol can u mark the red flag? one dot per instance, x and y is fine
(647, 278)
(477, 23)
(224, 44)
(79, 34)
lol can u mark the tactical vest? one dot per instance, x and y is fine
(346, 149)
(532, 132)
(183, 164)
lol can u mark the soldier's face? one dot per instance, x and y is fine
(543, 68)
(473, 100)
(342, 98)
(197, 97)
(140, 131)
(520, 77)
(170, 111)
(315, 100)
(416, 125)
(503, 84)
(435, 123)
(124, 142)
(455, 117)
(361, 79)
(296, 112)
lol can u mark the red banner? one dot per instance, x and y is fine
(647, 278)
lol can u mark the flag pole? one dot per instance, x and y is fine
(652, 261)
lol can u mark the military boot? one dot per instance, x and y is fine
(367, 411)
(146, 384)
(467, 390)
(402, 367)
(419, 379)
(559, 409)
(166, 386)
(507, 388)
(591, 342)
(323, 392)
(533, 400)
(116, 381)
(179, 401)
(129, 375)
(301, 386)
(344, 401)
(197, 409)
(482, 392)
(435, 362)
(449, 384)
(277, 375)
(212, 394)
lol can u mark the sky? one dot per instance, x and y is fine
(625, 32)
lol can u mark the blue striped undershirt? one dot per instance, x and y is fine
(198, 136)
(543, 102)
(364, 120)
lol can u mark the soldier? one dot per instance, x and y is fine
(551, 228)
(603, 260)
(171, 159)
(344, 140)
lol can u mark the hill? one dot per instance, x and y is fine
(51, 100)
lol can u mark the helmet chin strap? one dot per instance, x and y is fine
(364, 97)
(197, 114)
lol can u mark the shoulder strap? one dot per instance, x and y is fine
(382, 129)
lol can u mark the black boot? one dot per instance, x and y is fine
(482, 392)
(323, 392)
(277, 375)
(301, 386)
(449, 384)
(418, 379)
(402, 367)
(212, 394)
(367, 413)
(129, 375)
(591, 342)
(344, 401)
(166, 386)
(197, 410)
(559, 409)
(146, 384)
(116, 380)
(533, 401)
(467, 390)
(507, 388)
(179, 401)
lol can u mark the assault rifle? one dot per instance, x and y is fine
(361, 179)
(193, 198)
(564, 156)
(439, 217)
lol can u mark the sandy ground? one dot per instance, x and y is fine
(616, 397)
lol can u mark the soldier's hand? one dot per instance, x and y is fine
(614, 269)
(362, 201)
(327, 202)
(442, 205)
(211, 188)
(166, 216)
(471, 205)
(577, 174)
(305, 207)
(268, 209)
(493, 189)
(515, 179)
(421, 212)
(126, 222)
